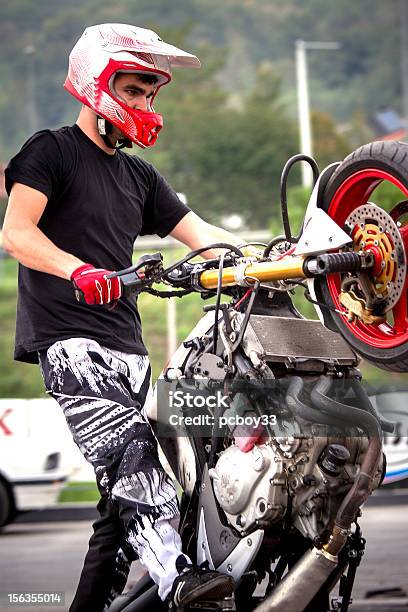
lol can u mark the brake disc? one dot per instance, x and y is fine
(374, 230)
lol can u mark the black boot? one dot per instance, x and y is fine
(197, 584)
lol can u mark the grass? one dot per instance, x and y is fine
(76, 492)
(79, 492)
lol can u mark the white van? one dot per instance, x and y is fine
(37, 455)
(393, 405)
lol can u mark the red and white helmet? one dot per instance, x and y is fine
(106, 49)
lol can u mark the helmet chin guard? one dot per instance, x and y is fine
(107, 49)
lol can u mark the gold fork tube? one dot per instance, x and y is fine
(287, 268)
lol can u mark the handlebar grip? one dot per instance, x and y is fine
(339, 262)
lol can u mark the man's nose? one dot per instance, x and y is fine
(142, 103)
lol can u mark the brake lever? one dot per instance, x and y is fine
(131, 281)
(153, 262)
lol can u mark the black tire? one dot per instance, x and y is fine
(390, 157)
(6, 504)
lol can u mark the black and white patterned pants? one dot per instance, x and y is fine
(103, 393)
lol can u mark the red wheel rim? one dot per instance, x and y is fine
(354, 192)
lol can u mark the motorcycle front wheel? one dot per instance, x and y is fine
(373, 180)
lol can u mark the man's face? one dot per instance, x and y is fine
(133, 91)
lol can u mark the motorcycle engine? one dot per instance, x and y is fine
(314, 474)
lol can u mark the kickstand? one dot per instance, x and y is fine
(355, 551)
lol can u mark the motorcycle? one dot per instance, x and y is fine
(275, 468)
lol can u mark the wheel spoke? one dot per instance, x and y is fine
(400, 312)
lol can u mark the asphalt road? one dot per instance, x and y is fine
(48, 556)
(44, 557)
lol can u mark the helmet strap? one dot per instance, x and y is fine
(105, 128)
(124, 142)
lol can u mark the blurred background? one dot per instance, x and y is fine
(229, 127)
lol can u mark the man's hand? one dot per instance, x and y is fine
(92, 284)
(250, 250)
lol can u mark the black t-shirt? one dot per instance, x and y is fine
(97, 205)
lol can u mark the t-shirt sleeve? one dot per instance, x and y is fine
(37, 165)
(163, 208)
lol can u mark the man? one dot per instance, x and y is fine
(77, 203)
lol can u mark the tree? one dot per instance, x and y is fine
(226, 159)
(329, 145)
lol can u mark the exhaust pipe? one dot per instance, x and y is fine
(304, 580)
(362, 486)
(301, 583)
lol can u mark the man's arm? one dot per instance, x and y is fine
(26, 242)
(195, 233)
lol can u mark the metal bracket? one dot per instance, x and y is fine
(321, 234)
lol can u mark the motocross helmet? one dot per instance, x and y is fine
(110, 48)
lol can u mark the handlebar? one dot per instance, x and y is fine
(241, 271)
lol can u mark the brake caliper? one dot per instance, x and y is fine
(369, 296)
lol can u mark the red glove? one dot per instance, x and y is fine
(91, 284)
